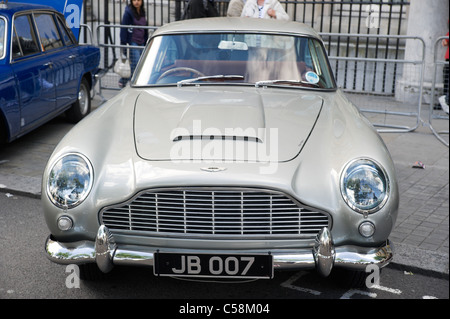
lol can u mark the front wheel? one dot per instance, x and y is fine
(82, 106)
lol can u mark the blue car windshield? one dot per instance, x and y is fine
(238, 58)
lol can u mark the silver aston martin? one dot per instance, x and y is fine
(232, 154)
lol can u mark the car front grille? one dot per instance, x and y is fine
(215, 212)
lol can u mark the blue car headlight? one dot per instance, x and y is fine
(364, 186)
(70, 180)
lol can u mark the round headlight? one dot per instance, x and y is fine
(364, 186)
(70, 180)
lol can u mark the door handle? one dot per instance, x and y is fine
(48, 65)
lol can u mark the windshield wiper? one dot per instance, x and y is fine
(211, 77)
(295, 82)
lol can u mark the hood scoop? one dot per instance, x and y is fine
(224, 118)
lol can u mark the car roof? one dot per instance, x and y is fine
(10, 8)
(237, 24)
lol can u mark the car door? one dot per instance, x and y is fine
(68, 78)
(33, 73)
(61, 56)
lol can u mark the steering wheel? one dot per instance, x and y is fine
(179, 70)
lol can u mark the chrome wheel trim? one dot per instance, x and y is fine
(83, 99)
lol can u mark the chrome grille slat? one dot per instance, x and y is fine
(215, 212)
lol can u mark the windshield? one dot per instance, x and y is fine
(256, 59)
(2, 37)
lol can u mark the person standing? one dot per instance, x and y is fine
(443, 100)
(134, 15)
(235, 8)
(265, 9)
(200, 9)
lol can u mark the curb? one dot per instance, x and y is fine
(21, 185)
(416, 260)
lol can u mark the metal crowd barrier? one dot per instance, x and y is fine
(437, 114)
(85, 30)
(368, 66)
(368, 98)
(109, 40)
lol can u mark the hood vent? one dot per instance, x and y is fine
(218, 137)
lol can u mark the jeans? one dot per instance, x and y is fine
(134, 56)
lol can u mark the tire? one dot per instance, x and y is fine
(3, 133)
(82, 106)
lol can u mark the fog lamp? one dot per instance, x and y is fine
(65, 223)
(367, 229)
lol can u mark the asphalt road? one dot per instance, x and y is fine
(25, 273)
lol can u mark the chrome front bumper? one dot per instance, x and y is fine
(323, 256)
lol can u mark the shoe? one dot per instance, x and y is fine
(121, 85)
(444, 104)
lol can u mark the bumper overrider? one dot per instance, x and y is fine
(324, 256)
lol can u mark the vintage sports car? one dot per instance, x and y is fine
(231, 154)
(44, 72)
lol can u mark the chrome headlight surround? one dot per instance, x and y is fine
(70, 180)
(364, 185)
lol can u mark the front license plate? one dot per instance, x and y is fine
(213, 265)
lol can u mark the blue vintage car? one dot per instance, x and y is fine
(44, 72)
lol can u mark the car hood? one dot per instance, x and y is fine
(217, 124)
